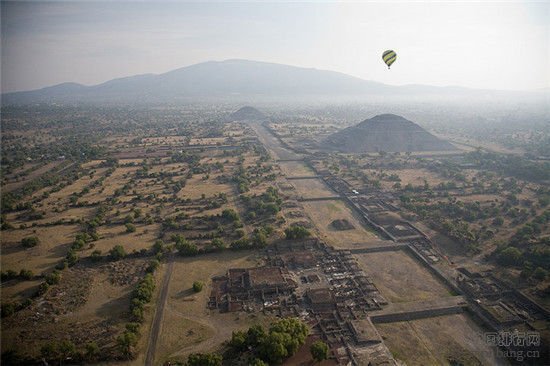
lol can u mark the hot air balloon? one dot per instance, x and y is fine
(389, 57)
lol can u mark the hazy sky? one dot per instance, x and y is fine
(497, 45)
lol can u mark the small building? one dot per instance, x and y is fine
(321, 300)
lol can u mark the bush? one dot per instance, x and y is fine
(30, 242)
(130, 228)
(230, 215)
(117, 253)
(540, 273)
(242, 243)
(92, 351)
(26, 274)
(42, 288)
(185, 248)
(259, 239)
(71, 257)
(96, 255)
(8, 309)
(53, 278)
(158, 247)
(197, 286)
(215, 245)
(78, 244)
(10, 274)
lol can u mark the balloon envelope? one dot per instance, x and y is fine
(389, 57)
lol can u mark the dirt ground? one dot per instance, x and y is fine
(400, 278)
(438, 341)
(303, 357)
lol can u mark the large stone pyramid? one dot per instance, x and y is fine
(385, 132)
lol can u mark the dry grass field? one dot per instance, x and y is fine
(400, 278)
(323, 213)
(295, 169)
(311, 188)
(54, 242)
(443, 340)
(113, 235)
(196, 187)
(10, 186)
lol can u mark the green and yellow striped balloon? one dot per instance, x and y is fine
(389, 57)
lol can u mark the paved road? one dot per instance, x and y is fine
(157, 321)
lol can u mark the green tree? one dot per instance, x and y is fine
(258, 362)
(197, 286)
(319, 351)
(153, 266)
(238, 341)
(296, 232)
(509, 257)
(273, 349)
(204, 359)
(126, 343)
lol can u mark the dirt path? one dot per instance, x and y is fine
(155, 327)
(277, 151)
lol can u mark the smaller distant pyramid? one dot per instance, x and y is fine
(247, 114)
(385, 132)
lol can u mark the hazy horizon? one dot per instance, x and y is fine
(492, 45)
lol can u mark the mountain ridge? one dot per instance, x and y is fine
(222, 79)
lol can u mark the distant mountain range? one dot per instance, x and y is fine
(235, 79)
(385, 132)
